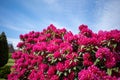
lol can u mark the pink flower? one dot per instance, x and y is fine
(85, 31)
(48, 35)
(71, 55)
(43, 67)
(68, 64)
(65, 78)
(30, 40)
(60, 66)
(66, 47)
(105, 53)
(110, 78)
(17, 55)
(32, 74)
(39, 60)
(51, 27)
(29, 46)
(21, 37)
(86, 56)
(81, 27)
(52, 47)
(110, 62)
(54, 77)
(41, 38)
(56, 41)
(87, 63)
(34, 62)
(93, 73)
(39, 47)
(51, 70)
(87, 41)
(20, 44)
(69, 37)
(71, 76)
(102, 53)
(57, 54)
(109, 35)
(63, 31)
(26, 36)
(87, 59)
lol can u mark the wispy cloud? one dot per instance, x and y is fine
(17, 21)
(51, 2)
(13, 41)
(57, 24)
(108, 17)
(16, 28)
(38, 14)
(54, 5)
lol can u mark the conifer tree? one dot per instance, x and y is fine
(3, 49)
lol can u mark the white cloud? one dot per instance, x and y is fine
(16, 28)
(13, 41)
(62, 10)
(108, 17)
(59, 25)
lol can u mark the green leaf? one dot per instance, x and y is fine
(49, 55)
(80, 53)
(109, 71)
(75, 60)
(69, 70)
(108, 43)
(75, 68)
(59, 59)
(93, 51)
(96, 61)
(116, 69)
(114, 45)
(75, 79)
(42, 53)
(88, 49)
(82, 46)
(96, 47)
(59, 73)
(53, 60)
(65, 73)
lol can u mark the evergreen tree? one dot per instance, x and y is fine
(3, 49)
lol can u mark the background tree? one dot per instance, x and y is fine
(3, 49)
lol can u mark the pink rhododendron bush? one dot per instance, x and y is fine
(58, 54)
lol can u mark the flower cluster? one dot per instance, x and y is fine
(94, 73)
(58, 54)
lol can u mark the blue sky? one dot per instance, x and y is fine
(21, 16)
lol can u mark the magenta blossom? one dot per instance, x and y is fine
(60, 66)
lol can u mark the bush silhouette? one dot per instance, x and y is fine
(3, 49)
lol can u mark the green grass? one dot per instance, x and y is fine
(10, 62)
(5, 70)
(2, 79)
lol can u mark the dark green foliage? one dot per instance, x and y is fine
(4, 71)
(3, 49)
